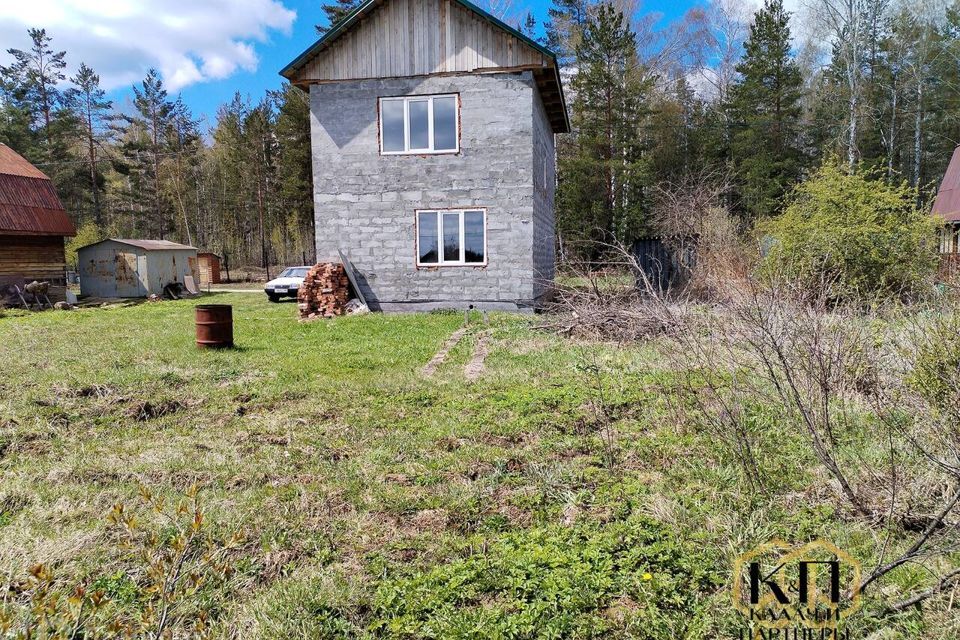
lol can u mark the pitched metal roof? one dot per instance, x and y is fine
(146, 245)
(947, 204)
(28, 202)
(562, 124)
(13, 164)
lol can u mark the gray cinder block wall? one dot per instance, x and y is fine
(365, 203)
(544, 190)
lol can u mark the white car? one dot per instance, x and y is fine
(286, 284)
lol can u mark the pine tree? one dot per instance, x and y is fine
(181, 165)
(294, 168)
(260, 149)
(603, 177)
(154, 117)
(335, 12)
(683, 135)
(34, 77)
(529, 26)
(91, 108)
(231, 180)
(14, 118)
(766, 145)
(564, 27)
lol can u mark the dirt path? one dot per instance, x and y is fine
(475, 367)
(441, 355)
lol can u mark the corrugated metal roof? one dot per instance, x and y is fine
(146, 245)
(28, 202)
(947, 204)
(12, 163)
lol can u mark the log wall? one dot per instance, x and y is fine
(27, 258)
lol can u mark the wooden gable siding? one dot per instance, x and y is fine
(419, 37)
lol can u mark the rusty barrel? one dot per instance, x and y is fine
(214, 326)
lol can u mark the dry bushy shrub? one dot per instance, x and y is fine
(691, 215)
(174, 566)
(870, 394)
(871, 391)
(593, 310)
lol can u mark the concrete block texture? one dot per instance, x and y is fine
(365, 202)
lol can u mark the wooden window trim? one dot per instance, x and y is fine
(459, 263)
(406, 124)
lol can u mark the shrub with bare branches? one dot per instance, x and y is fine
(871, 391)
(865, 392)
(692, 216)
(605, 303)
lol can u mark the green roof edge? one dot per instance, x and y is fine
(349, 19)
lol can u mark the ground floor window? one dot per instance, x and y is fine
(451, 237)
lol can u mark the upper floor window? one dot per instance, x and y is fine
(419, 124)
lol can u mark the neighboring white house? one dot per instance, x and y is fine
(432, 128)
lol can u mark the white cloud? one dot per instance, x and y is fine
(188, 41)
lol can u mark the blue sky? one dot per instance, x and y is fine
(205, 49)
(282, 49)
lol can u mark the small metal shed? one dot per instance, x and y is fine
(117, 268)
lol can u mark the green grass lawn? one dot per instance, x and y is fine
(374, 502)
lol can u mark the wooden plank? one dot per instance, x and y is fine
(442, 37)
(412, 43)
(433, 21)
(423, 35)
(351, 275)
(411, 36)
(448, 44)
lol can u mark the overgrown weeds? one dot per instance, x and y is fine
(174, 564)
(870, 393)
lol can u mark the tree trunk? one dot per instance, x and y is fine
(263, 233)
(892, 138)
(918, 134)
(92, 159)
(852, 135)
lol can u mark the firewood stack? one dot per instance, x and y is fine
(324, 292)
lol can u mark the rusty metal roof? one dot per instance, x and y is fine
(147, 245)
(28, 202)
(13, 164)
(947, 204)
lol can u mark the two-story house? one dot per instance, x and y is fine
(432, 128)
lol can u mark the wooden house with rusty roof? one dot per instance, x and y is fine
(947, 208)
(33, 225)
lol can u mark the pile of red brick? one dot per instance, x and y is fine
(324, 292)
